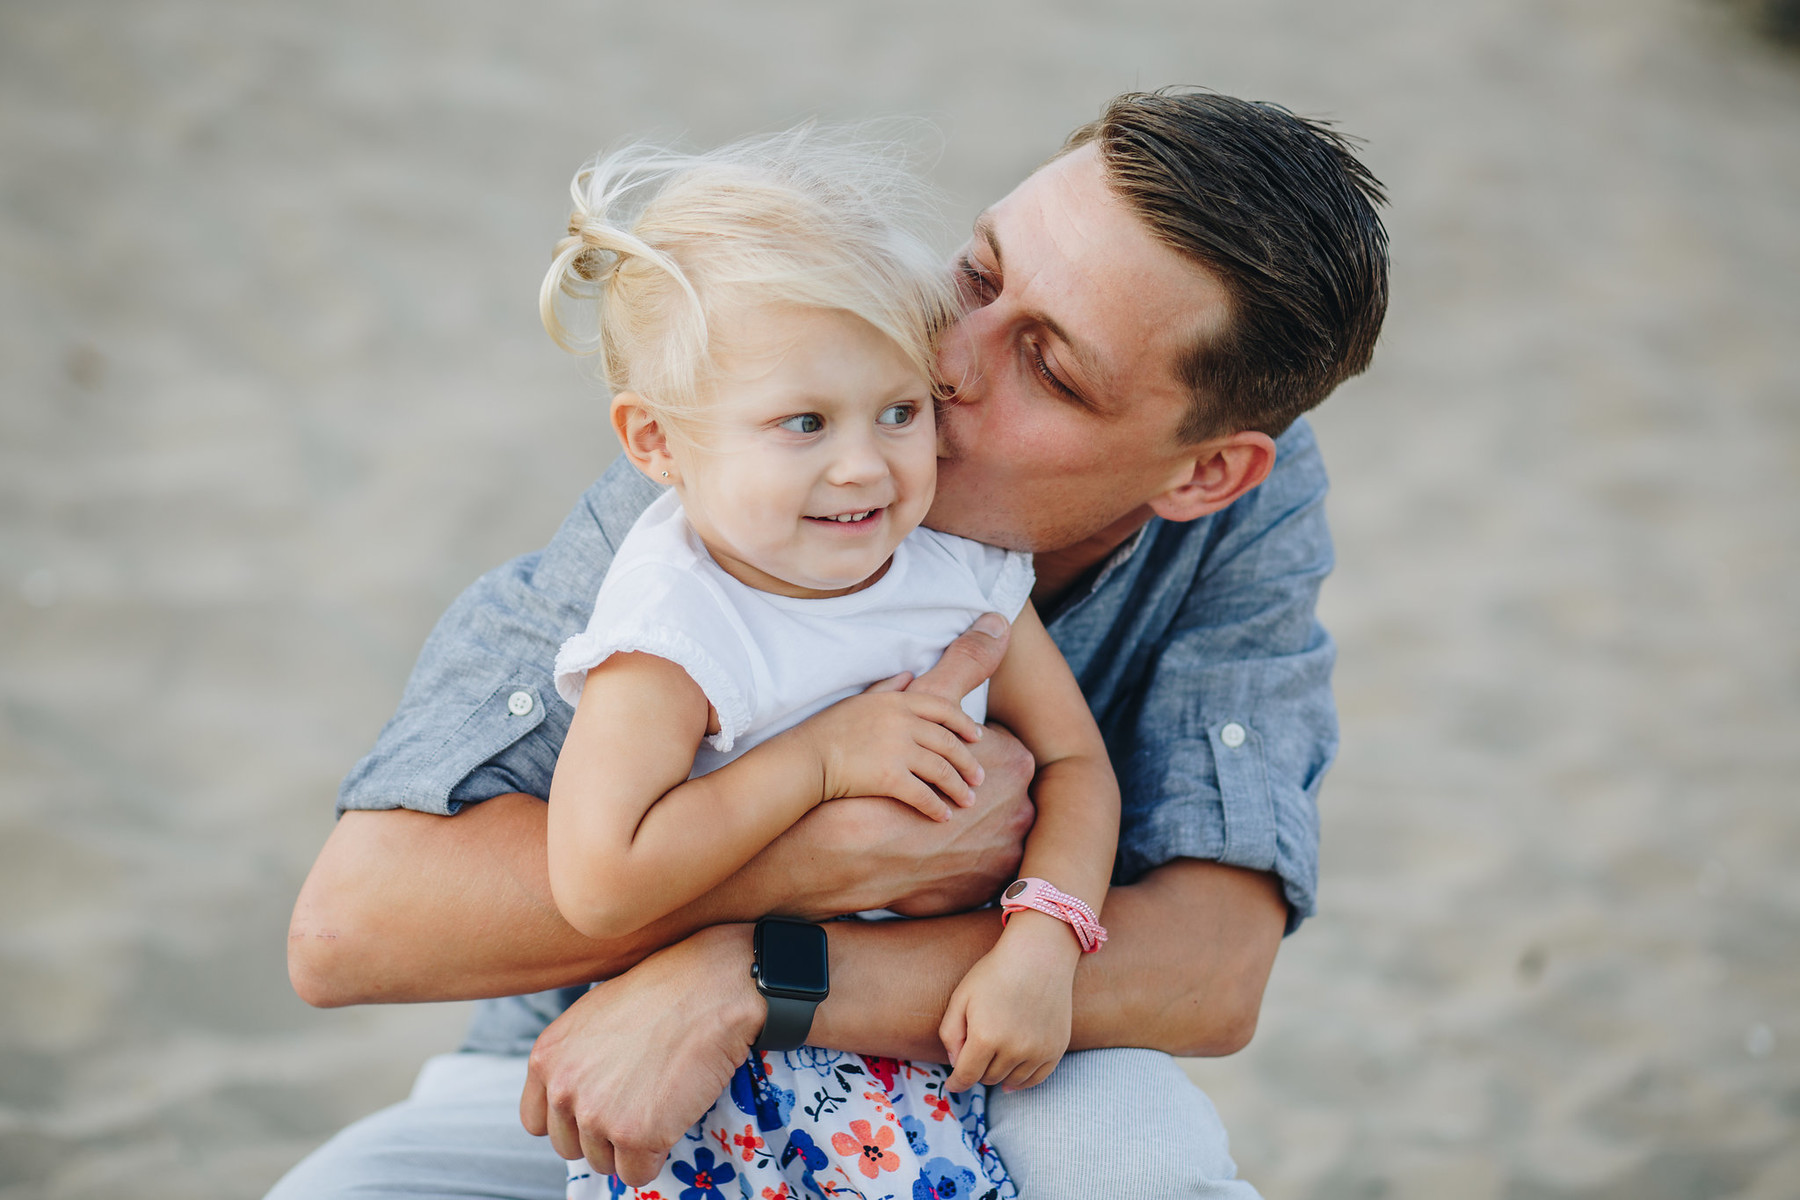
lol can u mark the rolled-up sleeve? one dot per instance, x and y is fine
(1237, 725)
(480, 715)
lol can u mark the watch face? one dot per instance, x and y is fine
(791, 959)
(1012, 893)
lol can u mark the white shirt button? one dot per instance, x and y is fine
(1232, 735)
(519, 703)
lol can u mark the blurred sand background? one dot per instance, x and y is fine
(272, 389)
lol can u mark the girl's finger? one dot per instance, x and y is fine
(1000, 1068)
(1038, 1076)
(914, 793)
(941, 775)
(1019, 1076)
(893, 683)
(953, 1030)
(971, 1064)
(941, 741)
(948, 714)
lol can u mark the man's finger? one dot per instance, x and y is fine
(598, 1151)
(533, 1107)
(565, 1136)
(638, 1167)
(969, 661)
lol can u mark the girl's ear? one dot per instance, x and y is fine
(643, 437)
(1222, 470)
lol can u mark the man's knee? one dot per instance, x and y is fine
(1114, 1122)
(458, 1135)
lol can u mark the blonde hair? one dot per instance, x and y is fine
(662, 242)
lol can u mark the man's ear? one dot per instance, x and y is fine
(1222, 469)
(645, 441)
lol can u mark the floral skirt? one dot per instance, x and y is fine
(813, 1123)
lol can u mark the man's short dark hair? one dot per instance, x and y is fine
(1282, 212)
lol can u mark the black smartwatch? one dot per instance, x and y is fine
(792, 974)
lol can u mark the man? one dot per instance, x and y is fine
(1149, 315)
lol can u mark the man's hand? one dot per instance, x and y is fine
(621, 1075)
(868, 852)
(406, 906)
(982, 848)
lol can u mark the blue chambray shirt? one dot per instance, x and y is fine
(1195, 644)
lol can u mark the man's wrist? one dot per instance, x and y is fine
(728, 953)
(792, 973)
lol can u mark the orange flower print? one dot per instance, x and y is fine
(780, 1193)
(869, 1147)
(749, 1143)
(940, 1107)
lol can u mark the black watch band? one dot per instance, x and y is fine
(789, 965)
(786, 1026)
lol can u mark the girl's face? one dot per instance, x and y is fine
(819, 453)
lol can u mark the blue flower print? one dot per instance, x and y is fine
(757, 1096)
(704, 1177)
(812, 1157)
(943, 1180)
(816, 1058)
(914, 1129)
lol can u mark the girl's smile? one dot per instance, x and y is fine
(860, 520)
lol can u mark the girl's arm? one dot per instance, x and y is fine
(1035, 695)
(1009, 1020)
(632, 839)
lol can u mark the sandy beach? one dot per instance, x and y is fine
(272, 390)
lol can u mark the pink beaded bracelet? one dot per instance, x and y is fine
(1039, 896)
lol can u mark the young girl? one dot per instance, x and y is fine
(768, 328)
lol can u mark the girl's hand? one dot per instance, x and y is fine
(1008, 1020)
(912, 746)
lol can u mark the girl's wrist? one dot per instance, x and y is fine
(1043, 935)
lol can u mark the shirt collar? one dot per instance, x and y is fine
(1080, 593)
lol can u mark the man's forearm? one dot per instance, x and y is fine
(1189, 953)
(406, 906)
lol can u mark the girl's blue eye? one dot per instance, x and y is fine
(896, 414)
(804, 423)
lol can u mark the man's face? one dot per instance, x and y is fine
(1066, 400)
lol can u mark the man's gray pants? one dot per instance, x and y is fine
(1124, 1123)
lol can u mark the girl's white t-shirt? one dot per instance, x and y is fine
(767, 662)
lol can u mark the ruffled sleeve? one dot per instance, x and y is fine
(1005, 577)
(1013, 579)
(661, 609)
